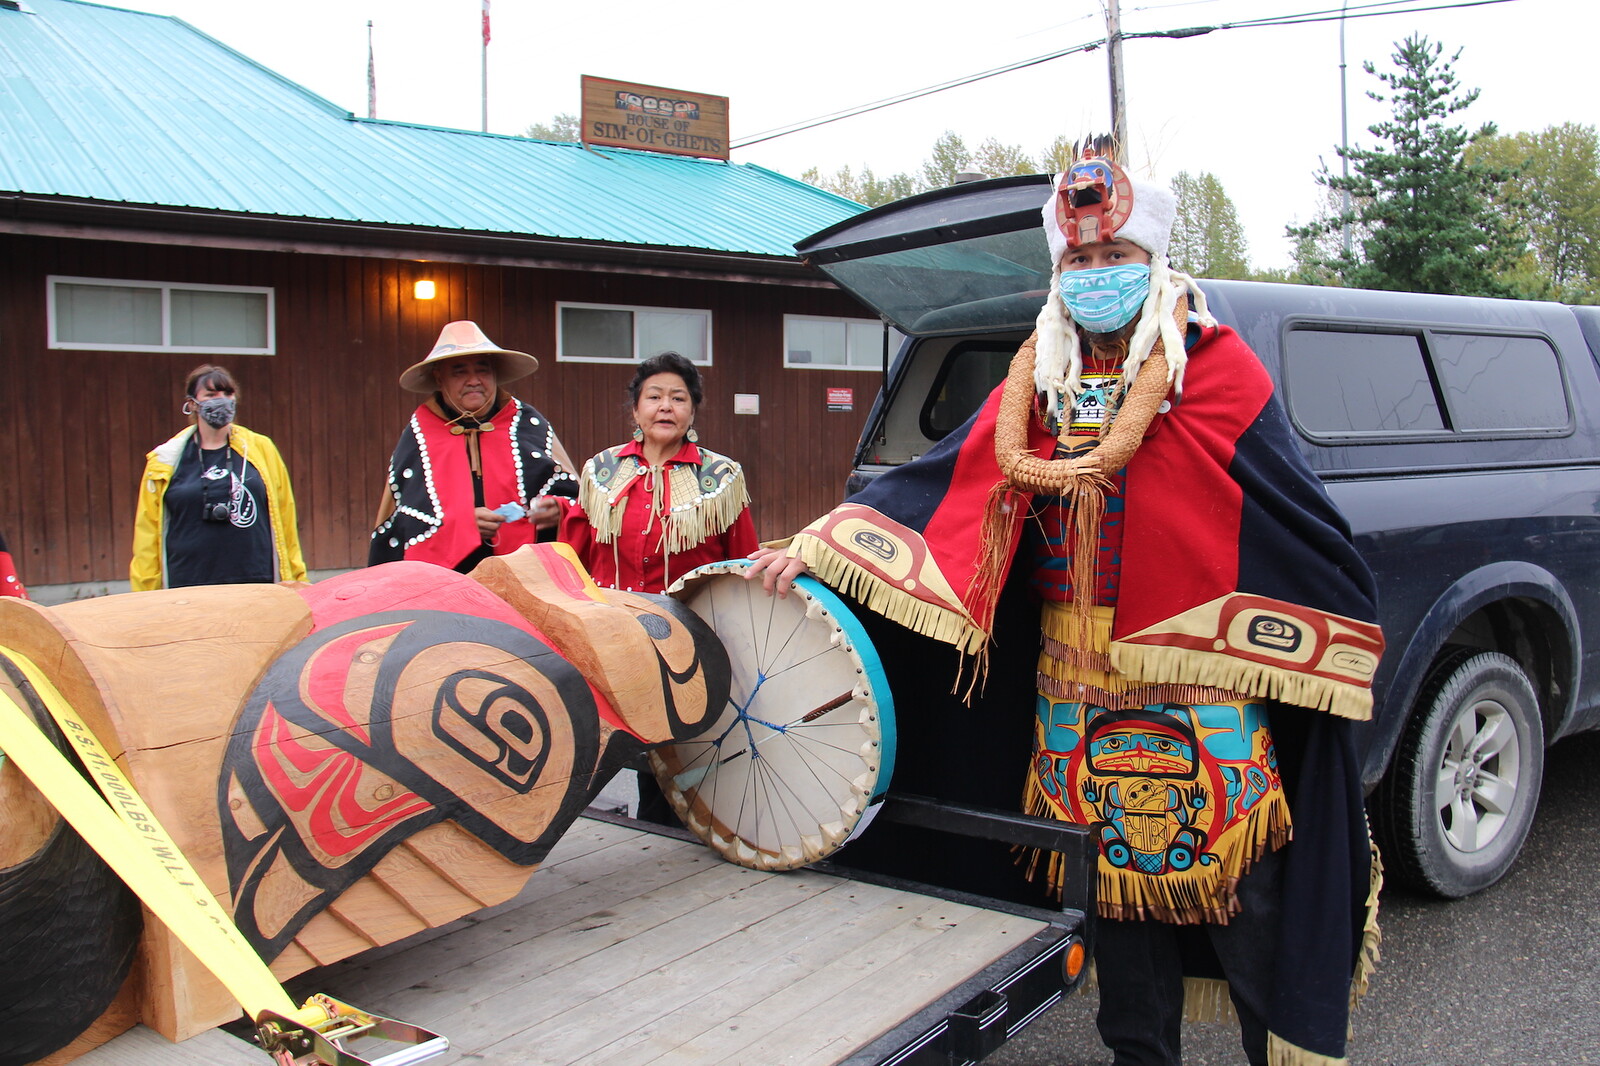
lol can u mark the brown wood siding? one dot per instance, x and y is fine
(76, 425)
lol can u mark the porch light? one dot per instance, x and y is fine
(423, 290)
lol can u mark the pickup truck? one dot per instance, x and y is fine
(1460, 437)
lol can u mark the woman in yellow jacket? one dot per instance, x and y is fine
(215, 507)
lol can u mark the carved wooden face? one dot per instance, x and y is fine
(692, 662)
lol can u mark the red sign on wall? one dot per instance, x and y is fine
(841, 399)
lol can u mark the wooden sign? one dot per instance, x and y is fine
(620, 114)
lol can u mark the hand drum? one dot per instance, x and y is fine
(800, 758)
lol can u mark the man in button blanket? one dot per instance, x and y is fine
(1207, 635)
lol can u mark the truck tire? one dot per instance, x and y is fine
(1456, 804)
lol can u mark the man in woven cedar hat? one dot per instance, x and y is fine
(1207, 634)
(473, 468)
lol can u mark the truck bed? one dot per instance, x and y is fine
(633, 947)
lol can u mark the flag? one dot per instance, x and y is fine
(486, 23)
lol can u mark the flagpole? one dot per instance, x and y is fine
(372, 77)
(485, 66)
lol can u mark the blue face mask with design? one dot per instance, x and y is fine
(1107, 298)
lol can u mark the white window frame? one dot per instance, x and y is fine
(895, 340)
(166, 288)
(561, 341)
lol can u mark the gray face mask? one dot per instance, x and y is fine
(218, 411)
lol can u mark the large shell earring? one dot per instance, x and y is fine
(638, 434)
(693, 437)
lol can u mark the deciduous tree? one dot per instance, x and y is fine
(996, 160)
(1554, 202)
(867, 188)
(562, 127)
(1207, 239)
(950, 157)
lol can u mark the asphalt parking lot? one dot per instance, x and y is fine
(1509, 977)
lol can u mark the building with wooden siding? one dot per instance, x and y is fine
(165, 202)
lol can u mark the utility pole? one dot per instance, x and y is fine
(1344, 131)
(1119, 108)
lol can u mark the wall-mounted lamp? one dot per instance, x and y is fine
(423, 290)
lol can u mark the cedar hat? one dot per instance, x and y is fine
(464, 338)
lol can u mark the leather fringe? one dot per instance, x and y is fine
(697, 516)
(1371, 936)
(1282, 1053)
(1206, 999)
(1003, 513)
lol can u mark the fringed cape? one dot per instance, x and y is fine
(706, 493)
(1237, 572)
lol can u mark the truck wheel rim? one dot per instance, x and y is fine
(1479, 771)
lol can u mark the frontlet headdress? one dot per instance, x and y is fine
(1091, 201)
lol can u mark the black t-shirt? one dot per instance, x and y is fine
(233, 545)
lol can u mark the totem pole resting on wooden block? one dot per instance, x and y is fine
(344, 764)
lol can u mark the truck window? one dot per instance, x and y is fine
(969, 373)
(1342, 382)
(1500, 383)
(1339, 382)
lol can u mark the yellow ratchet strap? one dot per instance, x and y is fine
(129, 837)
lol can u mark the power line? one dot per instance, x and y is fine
(1307, 17)
(1300, 19)
(806, 124)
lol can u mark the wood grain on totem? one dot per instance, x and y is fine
(633, 948)
(607, 645)
(158, 677)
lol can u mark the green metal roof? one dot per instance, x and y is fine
(104, 104)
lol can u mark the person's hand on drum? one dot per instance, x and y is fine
(776, 570)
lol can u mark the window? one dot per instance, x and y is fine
(969, 373)
(1500, 383)
(836, 343)
(1344, 382)
(607, 333)
(1422, 381)
(101, 314)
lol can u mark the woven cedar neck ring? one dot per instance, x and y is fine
(1056, 477)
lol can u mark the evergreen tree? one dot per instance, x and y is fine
(1207, 239)
(1429, 216)
(1554, 202)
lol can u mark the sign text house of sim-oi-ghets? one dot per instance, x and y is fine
(624, 115)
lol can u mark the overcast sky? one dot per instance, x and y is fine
(1257, 107)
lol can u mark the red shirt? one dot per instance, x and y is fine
(637, 560)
